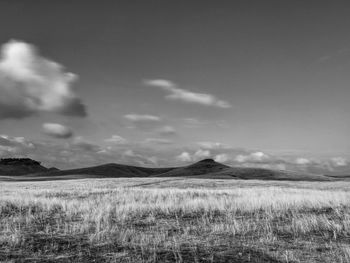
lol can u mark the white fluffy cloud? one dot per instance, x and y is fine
(201, 154)
(339, 161)
(142, 117)
(30, 83)
(251, 158)
(184, 157)
(176, 93)
(221, 158)
(196, 156)
(302, 161)
(57, 130)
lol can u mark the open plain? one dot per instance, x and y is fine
(174, 220)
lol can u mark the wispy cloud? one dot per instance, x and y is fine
(85, 145)
(30, 83)
(116, 139)
(213, 145)
(158, 141)
(253, 157)
(166, 130)
(142, 117)
(194, 123)
(57, 130)
(176, 93)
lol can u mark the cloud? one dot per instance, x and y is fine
(57, 130)
(81, 144)
(339, 161)
(158, 141)
(184, 157)
(336, 165)
(14, 146)
(129, 153)
(251, 158)
(212, 145)
(197, 155)
(30, 83)
(167, 130)
(116, 139)
(142, 118)
(302, 161)
(272, 165)
(176, 93)
(334, 55)
(6, 140)
(80, 152)
(194, 123)
(221, 158)
(201, 154)
(130, 156)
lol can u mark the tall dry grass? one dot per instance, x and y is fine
(149, 220)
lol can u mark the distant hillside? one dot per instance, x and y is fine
(113, 170)
(268, 174)
(20, 166)
(207, 168)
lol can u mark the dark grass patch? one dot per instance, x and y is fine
(46, 248)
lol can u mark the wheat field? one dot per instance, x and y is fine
(174, 220)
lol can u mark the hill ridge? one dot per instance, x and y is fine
(206, 168)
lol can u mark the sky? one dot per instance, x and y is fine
(163, 83)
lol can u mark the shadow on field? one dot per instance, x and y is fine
(215, 254)
(78, 249)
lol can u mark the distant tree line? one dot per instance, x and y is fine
(18, 161)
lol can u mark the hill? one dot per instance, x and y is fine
(20, 166)
(111, 170)
(208, 168)
(268, 174)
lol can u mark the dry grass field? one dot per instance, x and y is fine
(174, 220)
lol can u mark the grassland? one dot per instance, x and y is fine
(174, 220)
